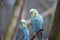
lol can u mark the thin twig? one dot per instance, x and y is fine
(40, 30)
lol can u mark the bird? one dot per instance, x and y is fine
(23, 31)
(36, 21)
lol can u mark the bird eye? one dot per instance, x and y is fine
(31, 12)
(21, 22)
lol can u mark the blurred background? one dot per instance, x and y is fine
(7, 8)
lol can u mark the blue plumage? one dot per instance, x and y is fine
(23, 32)
(36, 20)
(36, 23)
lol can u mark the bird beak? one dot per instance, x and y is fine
(24, 25)
(32, 14)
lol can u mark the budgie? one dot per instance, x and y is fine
(23, 31)
(36, 21)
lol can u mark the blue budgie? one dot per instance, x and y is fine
(23, 32)
(36, 21)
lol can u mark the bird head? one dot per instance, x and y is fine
(23, 23)
(33, 12)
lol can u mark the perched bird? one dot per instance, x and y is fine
(36, 21)
(23, 32)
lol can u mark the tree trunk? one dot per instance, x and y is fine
(55, 33)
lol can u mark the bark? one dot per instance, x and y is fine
(55, 33)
